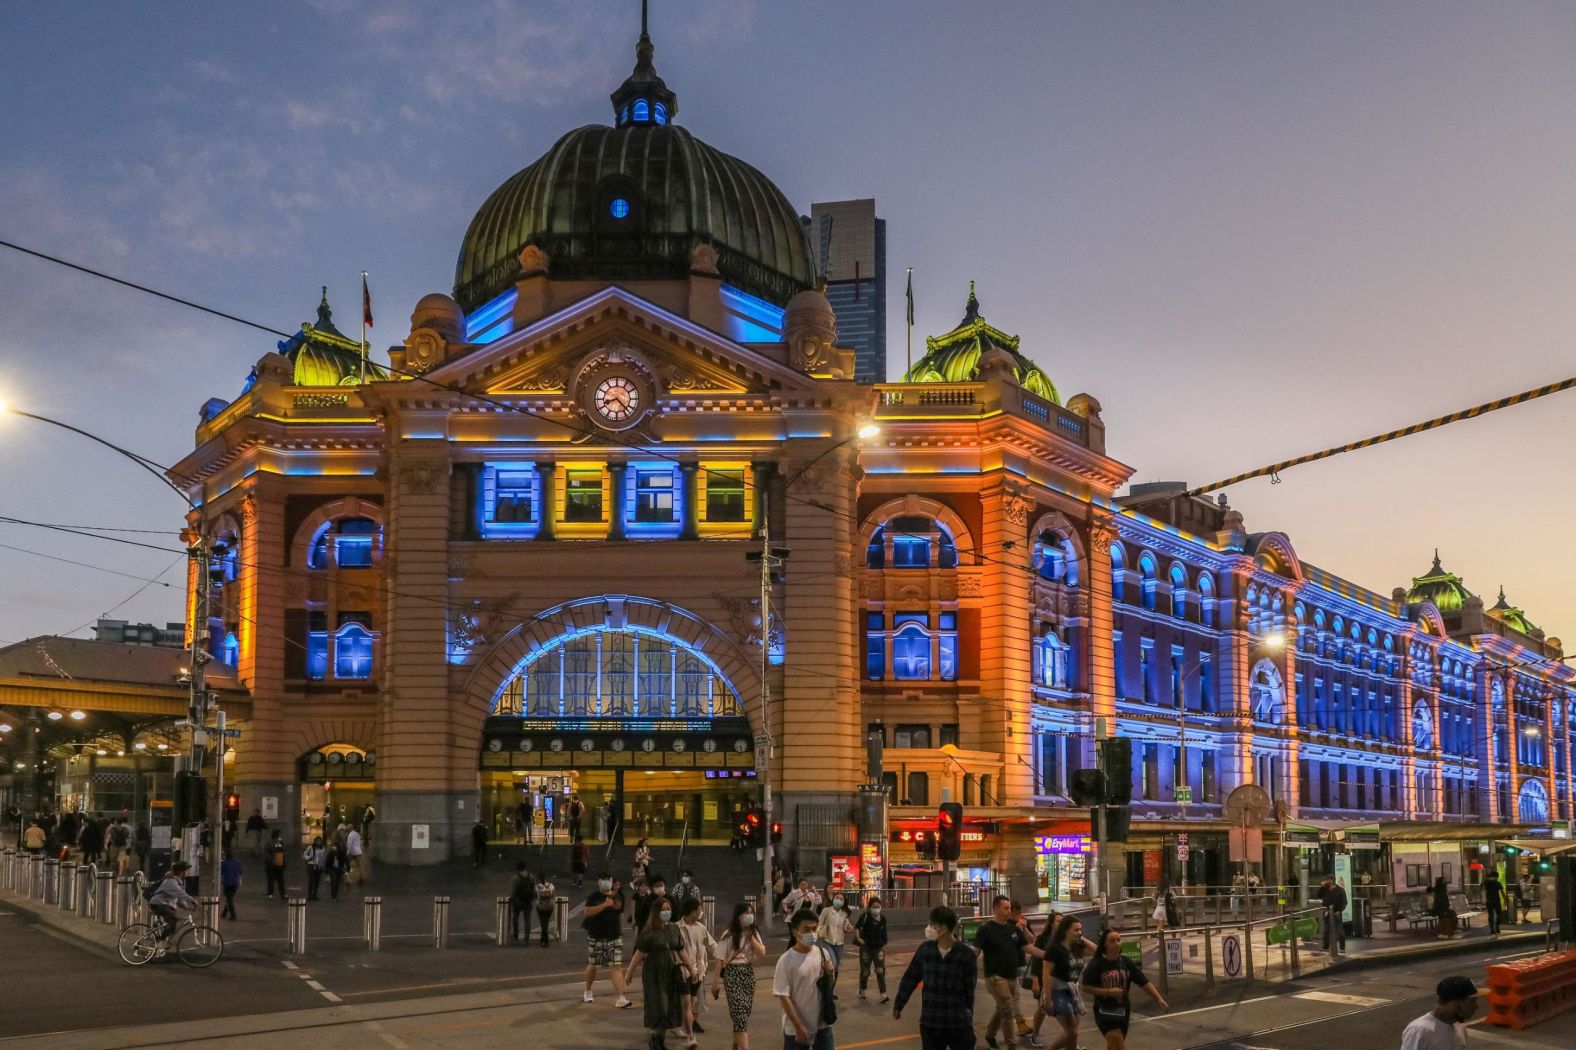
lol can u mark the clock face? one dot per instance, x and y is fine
(616, 399)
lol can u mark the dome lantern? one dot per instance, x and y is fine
(643, 98)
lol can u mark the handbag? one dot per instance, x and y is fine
(825, 985)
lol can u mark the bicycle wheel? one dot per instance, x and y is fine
(200, 946)
(137, 944)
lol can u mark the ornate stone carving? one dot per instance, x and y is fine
(533, 261)
(812, 352)
(418, 481)
(703, 259)
(479, 624)
(1016, 504)
(872, 587)
(742, 617)
(425, 349)
(823, 480)
(249, 509)
(680, 381)
(551, 379)
(968, 586)
(1100, 540)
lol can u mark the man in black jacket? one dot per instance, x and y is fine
(1333, 896)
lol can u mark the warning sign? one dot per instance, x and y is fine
(1231, 955)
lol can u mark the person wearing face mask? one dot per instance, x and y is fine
(1441, 1027)
(947, 970)
(740, 947)
(870, 933)
(796, 982)
(685, 890)
(833, 930)
(701, 946)
(667, 966)
(604, 939)
(648, 903)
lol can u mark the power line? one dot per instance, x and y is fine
(84, 565)
(1274, 469)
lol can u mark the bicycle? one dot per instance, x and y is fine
(197, 946)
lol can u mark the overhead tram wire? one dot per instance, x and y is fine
(1274, 469)
(750, 484)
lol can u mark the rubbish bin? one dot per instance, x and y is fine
(1362, 924)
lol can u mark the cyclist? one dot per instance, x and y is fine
(170, 896)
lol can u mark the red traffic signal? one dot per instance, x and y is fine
(777, 831)
(752, 826)
(949, 831)
(232, 801)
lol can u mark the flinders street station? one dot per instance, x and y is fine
(616, 524)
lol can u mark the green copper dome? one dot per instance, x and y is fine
(1443, 588)
(631, 202)
(955, 357)
(1511, 616)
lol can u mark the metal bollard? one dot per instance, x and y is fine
(504, 926)
(121, 908)
(440, 922)
(51, 881)
(1296, 963)
(1247, 952)
(103, 897)
(372, 923)
(35, 875)
(67, 897)
(295, 926)
(85, 884)
(209, 911)
(561, 919)
(708, 911)
(7, 856)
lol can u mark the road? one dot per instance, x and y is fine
(60, 994)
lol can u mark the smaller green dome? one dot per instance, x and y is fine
(1511, 616)
(955, 357)
(322, 356)
(1441, 587)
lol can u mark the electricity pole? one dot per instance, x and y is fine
(770, 558)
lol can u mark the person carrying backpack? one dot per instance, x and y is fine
(544, 905)
(522, 895)
(275, 858)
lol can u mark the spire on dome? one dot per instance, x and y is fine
(971, 310)
(643, 98)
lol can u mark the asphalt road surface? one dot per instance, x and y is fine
(57, 993)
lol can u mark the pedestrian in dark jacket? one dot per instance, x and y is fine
(1333, 897)
(479, 844)
(1494, 900)
(947, 970)
(274, 859)
(335, 864)
(522, 896)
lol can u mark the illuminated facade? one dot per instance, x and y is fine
(513, 564)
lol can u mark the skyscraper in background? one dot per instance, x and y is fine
(850, 249)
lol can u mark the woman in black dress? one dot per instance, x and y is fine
(660, 947)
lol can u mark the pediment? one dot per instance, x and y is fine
(684, 360)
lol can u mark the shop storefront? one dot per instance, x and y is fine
(338, 782)
(1061, 867)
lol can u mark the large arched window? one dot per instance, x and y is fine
(1118, 572)
(1052, 659)
(1422, 727)
(352, 543)
(1206, 599)
(1055, 558)
(1267, 694)
(1178, 592)
(628, 672)
(916, 542)
(1147, 580)
(1532, 806)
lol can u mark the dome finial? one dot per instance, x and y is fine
(971, 311)
(325, 315)
(643, 98)
(1437, 567)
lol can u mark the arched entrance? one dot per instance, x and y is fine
(337, 785)
(635, 716)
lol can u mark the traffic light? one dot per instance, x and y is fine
(1087, 787)
(191, 799)
(1116, 760)
(752, 827)
(232, 808)
(949, 831)
(777, 832)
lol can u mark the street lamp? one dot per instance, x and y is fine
(770, 558)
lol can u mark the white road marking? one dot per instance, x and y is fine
(1340, 997)
(388, 1037)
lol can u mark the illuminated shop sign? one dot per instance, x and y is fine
(1061, 844)
(930, 836)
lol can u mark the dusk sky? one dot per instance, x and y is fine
(1252, 230)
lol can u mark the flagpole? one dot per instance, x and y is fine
(910, 367)
(363, 328)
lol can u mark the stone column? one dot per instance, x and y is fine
(547, 483)
(1488, 796)
(1236, 753)
(1404, 701)
(427, 774)
(1005, 642)
(1292, 731)
(1098, 657)
(619, 473)
(264, 764)
(690, 499)
(1512, 760)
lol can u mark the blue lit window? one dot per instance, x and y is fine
(913, 538)
(910, 648)
(232, 649)
(642, 110)
(317, 646)
(654, 496)
(947, 643)
(910, 552)
(618, 207)
(353, 545)
(661, 112)
(318, 557)
(353, 647)
(875, 647)
(512, 499)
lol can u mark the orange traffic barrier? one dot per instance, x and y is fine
(1525, 992)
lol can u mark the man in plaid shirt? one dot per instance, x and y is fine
(948, 971)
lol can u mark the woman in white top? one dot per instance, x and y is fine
(701, 947)
(833, 927)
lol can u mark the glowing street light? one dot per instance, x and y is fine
(55, 716)
(77, 716)
(868, 430)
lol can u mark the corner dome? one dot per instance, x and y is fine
(631, 202)
(956, 356)
(1511, 616)
(1443, 588)
(321, 355)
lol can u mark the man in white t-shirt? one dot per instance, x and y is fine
(1442, 1027)
(794, 985)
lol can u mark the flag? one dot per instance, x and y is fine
(366, 301)
(911, 296)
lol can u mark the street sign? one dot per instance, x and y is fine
(763, 754)
(1184, 793)
(1246, 845)
(1182, 851)
(1248, 804)
(188, 724)
(1231, 955)
(1173, 956)
(1181, 838)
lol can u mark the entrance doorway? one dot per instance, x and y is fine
(664, 806)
